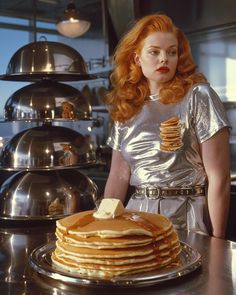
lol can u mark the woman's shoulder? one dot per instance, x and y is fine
(201, 87)
(202, 91)
(202, 99)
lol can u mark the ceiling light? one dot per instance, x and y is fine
(71, 26)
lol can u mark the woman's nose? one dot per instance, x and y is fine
(163, 57)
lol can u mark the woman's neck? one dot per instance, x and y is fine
(154, 88)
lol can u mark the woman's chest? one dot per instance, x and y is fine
(150, 128)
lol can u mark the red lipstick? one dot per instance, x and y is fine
(163, 70)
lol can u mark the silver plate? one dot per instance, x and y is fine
(40, 260)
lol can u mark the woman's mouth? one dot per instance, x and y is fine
(163, 70)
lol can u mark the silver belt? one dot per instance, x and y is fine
(157, 192)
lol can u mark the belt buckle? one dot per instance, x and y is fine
(153, 193)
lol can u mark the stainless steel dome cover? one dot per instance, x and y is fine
(46, 60)
(45, 148)
(37, 195)
(47, 100)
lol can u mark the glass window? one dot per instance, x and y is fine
(13, 40)
(215, 54)
(10, 20)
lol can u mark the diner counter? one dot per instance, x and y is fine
(217, 274)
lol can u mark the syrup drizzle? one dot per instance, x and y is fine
(155, 230)
(81, 222)
(133, 217)
(144, 223)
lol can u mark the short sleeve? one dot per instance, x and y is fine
(114, 139)
(208, 112)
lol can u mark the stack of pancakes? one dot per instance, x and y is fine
(105, 248)
(170, 133)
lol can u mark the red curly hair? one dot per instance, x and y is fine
(130, 87)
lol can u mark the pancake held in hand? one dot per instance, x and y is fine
(129, 243)
(170, 133)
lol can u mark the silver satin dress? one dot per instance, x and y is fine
(201, 114)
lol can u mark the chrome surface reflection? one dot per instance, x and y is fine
(46, 60)
(15, 247)
(45, 148)
(189, 261)
(46, 195)
(47, 100)
(216, 276)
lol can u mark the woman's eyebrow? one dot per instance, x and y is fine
(158, 47)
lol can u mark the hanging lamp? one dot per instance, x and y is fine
(71, 26)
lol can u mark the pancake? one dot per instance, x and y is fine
(139, 250)
(97, 242)
(109, 271)
(170, 148)
(173, 121)
(61, 253)
(171, 145)
(132, 242)
(130, 223)
(170, 134)
(118, 242)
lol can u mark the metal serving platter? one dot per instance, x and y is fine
(40, 260)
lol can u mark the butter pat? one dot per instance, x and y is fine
(109, 208)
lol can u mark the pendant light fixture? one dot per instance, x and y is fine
(71, 26)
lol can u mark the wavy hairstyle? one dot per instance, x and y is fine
(130, 87)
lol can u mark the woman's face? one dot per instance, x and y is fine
(158, 59)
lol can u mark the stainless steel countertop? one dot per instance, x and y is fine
(217, 274)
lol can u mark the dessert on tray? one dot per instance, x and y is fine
(114, 241)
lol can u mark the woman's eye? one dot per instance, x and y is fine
(172, 52)
(157, 52)
(154, 52)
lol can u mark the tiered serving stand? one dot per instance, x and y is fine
(44, 161)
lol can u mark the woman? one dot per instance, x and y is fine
(170, 137)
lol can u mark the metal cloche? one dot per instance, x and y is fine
(47, 101)
(46, 60)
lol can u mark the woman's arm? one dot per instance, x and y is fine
(216, 159)
(118, 179)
